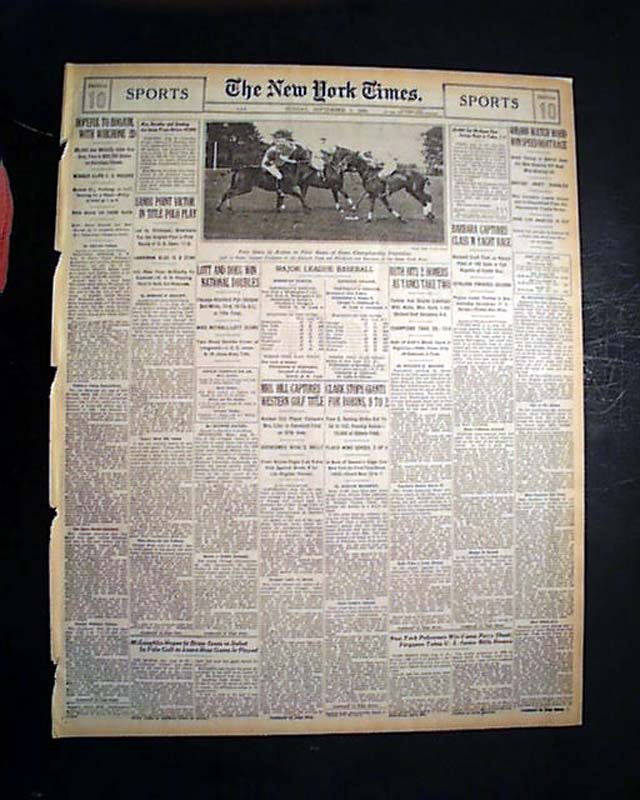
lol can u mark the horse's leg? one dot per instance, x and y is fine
(427, 208)
(306, 208)
(360, 199)
(280, 206)
(353, 211)
(233, 191)
(296, 193)
(372, 203)
(226, 198)
(336, 201)
(347, 198)
(392, 211)
(425, 201)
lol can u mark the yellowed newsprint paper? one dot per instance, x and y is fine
(316, 426)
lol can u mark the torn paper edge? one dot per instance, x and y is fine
(57, 412)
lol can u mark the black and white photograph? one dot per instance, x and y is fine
(357, 181)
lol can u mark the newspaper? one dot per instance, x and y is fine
(316, 443)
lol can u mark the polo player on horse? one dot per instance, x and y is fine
(324, 169)
(379, 183)
(279, 153)
(281, 169)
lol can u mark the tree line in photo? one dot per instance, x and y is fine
(240, 144)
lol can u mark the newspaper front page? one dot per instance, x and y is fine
(317, 418)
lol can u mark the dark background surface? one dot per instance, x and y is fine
(598, 46)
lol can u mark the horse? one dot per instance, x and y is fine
(332, 179)
(414, 183)
(372, 183)
(407, 178)
(247, 178)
